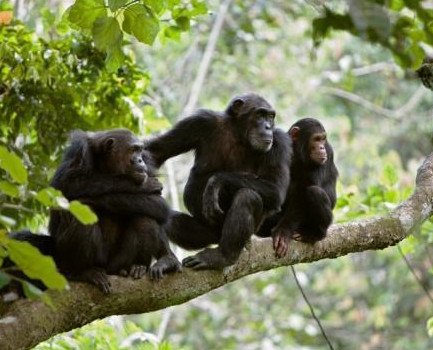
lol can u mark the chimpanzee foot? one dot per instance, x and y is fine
(167, 263)
(207, 259)
(297, 236)
(137, 271)
(98, 277)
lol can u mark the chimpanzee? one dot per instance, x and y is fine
(307, 211)
(108, 171)
(240, 176)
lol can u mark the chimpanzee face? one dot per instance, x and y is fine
(309, 141)
(317, 148)
(254, 118)
(123, 155)
(261, 127)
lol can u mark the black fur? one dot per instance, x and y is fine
(240, 176)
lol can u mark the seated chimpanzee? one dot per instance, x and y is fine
(240, 176)
(112, 173)
(307, 211)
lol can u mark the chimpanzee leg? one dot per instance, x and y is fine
(153, 243)
(81, 251)
(317, 215)
(190, 233)
(241, 222)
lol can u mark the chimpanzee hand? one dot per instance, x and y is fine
(280, 239)
(152, 185)
(211, 208)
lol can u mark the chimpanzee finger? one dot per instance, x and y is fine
(137, 271)
(282, 248)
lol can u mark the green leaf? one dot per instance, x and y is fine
(183, 23)
(34, 264)
(31, 291)
(8, 188)
(13, 165)
(106, 33)
(141, 22)
(50, 197)
(116, 4)
(156, 5)
(390, 175)
(83, 213)
(430, 327)
(4, 279)
(115, 57)
(84, 12)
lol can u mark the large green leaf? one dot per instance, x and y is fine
(116, 4)
(115, 57)
(106, 33)
(156, 5)
(141, 22)
(13, 165)
(84, 12)
(8, 188)
(51, 197)
(83, 213)
(34, 264)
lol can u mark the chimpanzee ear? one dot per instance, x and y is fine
(294, 132)
(109, 144)
(237, 105)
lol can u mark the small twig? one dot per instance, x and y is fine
(411, 269)
(311, 307)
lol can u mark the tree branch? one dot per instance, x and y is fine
(27, 322)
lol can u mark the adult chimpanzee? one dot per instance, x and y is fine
(307, 211)
(107, 170)
(240, 176)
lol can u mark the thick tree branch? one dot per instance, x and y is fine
(27, 322)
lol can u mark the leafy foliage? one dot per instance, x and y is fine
(142, 19)
(46, 90)
(403, 26)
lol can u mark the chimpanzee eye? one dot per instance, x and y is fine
(136, 148)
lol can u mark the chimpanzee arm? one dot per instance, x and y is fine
(97, 184)
(76, 176)
(153, 206)
(183, 137)
(271, 183)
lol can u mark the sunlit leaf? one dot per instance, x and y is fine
(48, 196)
(83, 213)
(34, 264)
(84, 12)
(141, 22)
(13, 165)
(106, 32)
(156, 5)
(9, 189)
(115, 57)
(116, 4)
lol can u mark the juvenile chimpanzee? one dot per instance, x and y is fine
(107, 170)
(307, 211)
(240, 176)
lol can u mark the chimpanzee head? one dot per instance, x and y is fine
(309, 141)
(119, 152)
(254, 120)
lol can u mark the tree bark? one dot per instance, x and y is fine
(28, 322)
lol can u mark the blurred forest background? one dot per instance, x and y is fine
(378, 115)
